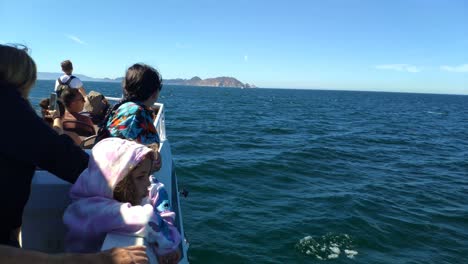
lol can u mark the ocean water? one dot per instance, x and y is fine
(308, 176)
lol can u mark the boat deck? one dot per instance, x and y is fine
(43, 228)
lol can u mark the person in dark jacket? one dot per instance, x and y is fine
(28, 142)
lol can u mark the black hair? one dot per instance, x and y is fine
(69, 95)
(140, 82)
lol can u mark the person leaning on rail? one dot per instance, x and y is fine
(29, 142)
(133, 117)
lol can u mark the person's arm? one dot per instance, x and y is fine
(57, 125)
(128, 255)
(56, 120)
(28, 138)
(56, 84)
(157, 160)
(74, 136)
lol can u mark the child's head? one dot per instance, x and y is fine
(118, 169)
(134, 187)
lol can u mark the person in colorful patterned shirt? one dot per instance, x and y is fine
(133, 117)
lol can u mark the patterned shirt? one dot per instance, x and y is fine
(133, 121)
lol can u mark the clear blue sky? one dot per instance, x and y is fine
(381, 45)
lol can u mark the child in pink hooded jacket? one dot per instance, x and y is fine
(115, 194)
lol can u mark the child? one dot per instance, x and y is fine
(112, 195)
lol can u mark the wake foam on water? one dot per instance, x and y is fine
(329, 246)
(435, 113)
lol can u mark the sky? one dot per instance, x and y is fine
(369, 45)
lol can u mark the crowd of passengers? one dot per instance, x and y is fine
(83, 115)
(111, 183)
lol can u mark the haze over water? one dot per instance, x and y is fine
(307, 176)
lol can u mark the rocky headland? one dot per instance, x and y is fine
(212, 82)
(195, 81)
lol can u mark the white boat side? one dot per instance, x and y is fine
(43, 228)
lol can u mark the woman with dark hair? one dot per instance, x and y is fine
(73, 119)
(30, 142)
(133, 117)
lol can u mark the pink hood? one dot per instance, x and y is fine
(93, 212)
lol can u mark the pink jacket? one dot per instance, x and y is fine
(94, 212)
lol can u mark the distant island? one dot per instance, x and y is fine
(195, 81)
(214, 82)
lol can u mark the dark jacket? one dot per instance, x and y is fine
(26, 142)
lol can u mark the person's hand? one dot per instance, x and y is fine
(154, 111)
(52, 114)
(157, 162)
(157, 159)
(127, 255)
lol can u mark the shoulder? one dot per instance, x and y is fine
(61, 78)
(76, 83)
(130, 108)
(67, 116)
(64, 78)
(84, 118)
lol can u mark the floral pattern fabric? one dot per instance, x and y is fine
(133, 120)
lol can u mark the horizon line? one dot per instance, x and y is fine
(302, 88)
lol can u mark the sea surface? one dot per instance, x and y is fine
(313, 176)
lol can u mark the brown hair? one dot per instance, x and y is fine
(67, 66)
(125, 190)
(17, 68)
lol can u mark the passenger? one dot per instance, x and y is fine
(68, 80)
(47, 116)
(96, 105)
(74, 103)
(114, 195)
(29, 142)
(133, 117)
